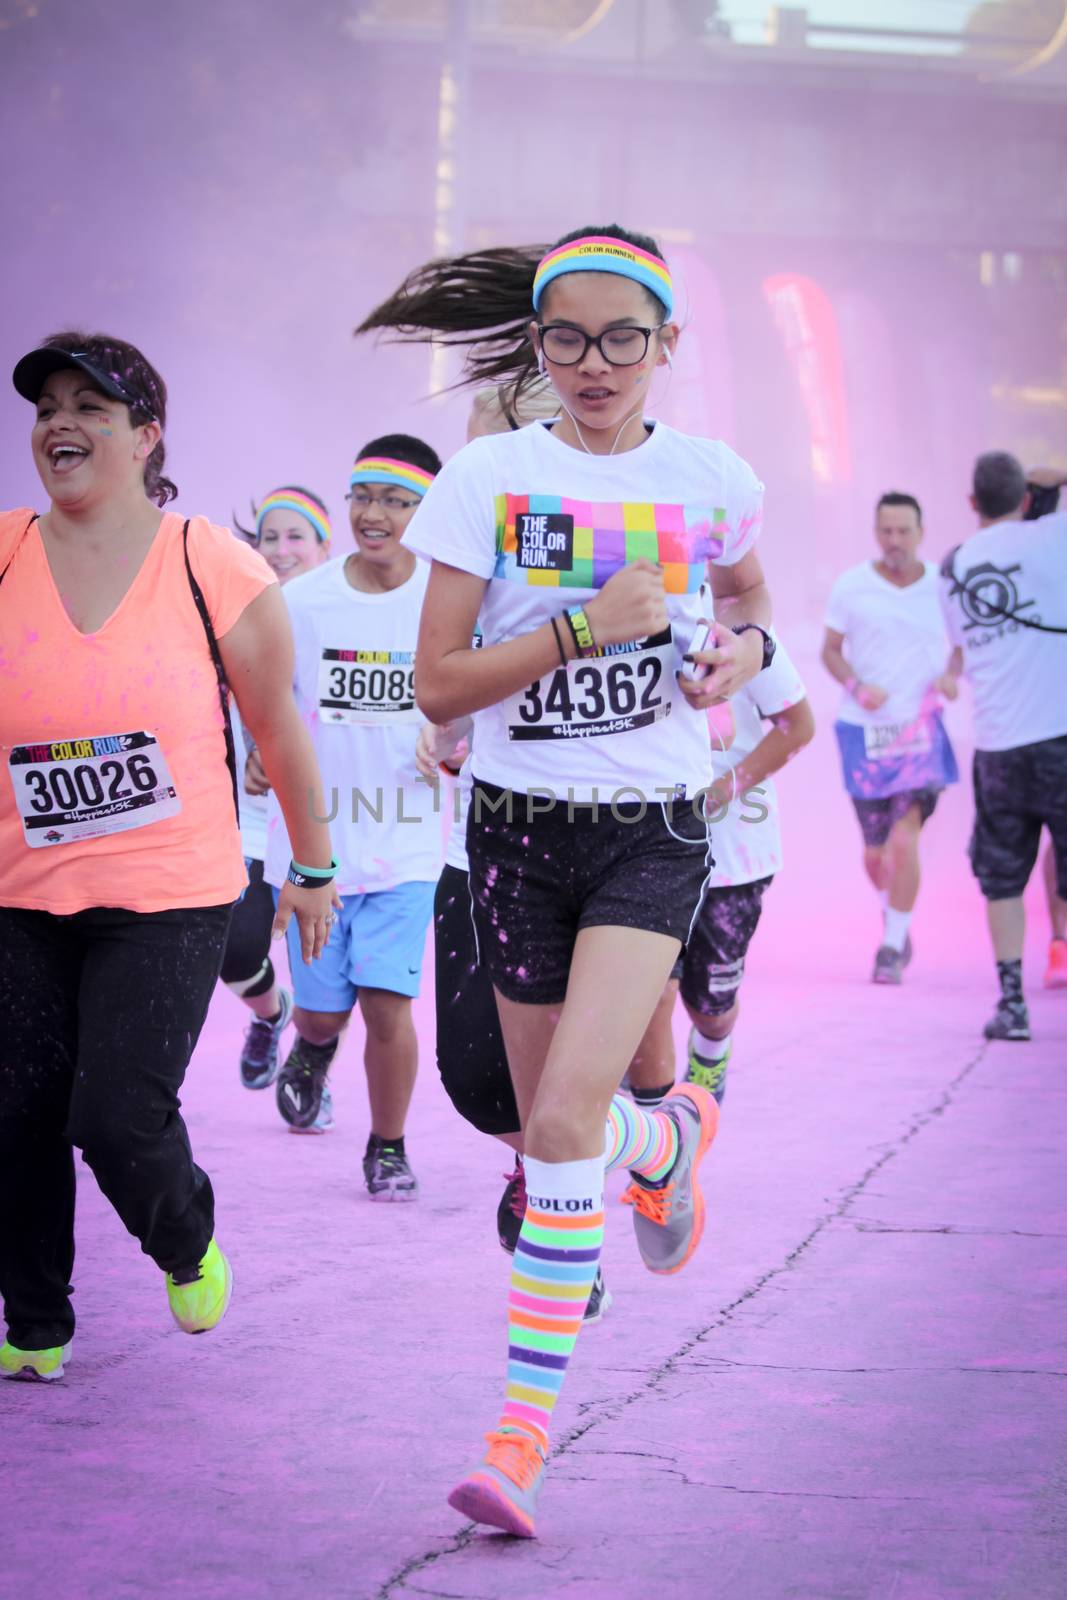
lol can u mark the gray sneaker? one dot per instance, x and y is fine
(502, 1490)
(259, 1055)
(669, 1215)
(889, 965)
(599, 1300)
(1010, 1020)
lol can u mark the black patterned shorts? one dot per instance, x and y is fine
(1017, 793)
(877, 818)
(714, 960)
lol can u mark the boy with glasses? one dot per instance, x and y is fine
(355, 623)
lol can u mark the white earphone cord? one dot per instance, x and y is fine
(634, 417)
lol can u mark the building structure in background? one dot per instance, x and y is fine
(862, 200)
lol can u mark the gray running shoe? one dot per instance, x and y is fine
(301, 1086)
(259, 1057)
(387, 1174)
(599, 1300)
(888, 965)
(1010, 1020)
(669, 1215)
(502, 1491)
(323, 1117)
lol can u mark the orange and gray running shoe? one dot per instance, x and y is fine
(1056, 971)
(502, 1492)
(669, 1215)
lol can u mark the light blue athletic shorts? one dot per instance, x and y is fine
(377, 942)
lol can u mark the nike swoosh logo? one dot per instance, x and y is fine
(294, 1098)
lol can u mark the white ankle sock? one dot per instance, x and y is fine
(883, 900)
(709, 1050)
(896, 928)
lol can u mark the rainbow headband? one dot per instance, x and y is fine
(601, 254)
(293, 500)
(398, 474)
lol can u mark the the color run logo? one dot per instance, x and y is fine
(76, 749)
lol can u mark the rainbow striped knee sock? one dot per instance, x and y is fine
(552, 1274)
(644, 1141)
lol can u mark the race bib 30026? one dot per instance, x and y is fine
(72, 789)
(367, 687)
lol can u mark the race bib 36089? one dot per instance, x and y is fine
(367, 687)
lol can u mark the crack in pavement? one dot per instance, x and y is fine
(951, 1228)
(719, 1363)
(612, 1410)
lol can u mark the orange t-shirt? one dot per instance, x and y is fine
(112, 743)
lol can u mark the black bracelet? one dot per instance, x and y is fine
(311, 877)
(559, 642)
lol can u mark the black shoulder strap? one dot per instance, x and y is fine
(220, 670)
(18, 545)
(948, 567)
(948, 570)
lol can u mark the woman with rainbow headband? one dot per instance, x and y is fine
(580, 547)
(355, 623)
(292, 533)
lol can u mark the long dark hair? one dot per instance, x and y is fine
(483, 302)
(140, 379)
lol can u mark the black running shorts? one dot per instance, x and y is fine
(1017, 793)
(471, 1057)
(539, 876)
(877, 817)
(714, 961)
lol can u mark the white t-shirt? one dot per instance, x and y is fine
(547, 526)
(354, 688)
(894, 638)
(1018, 674)
(747, 843)
(251, 808)
(460, 801)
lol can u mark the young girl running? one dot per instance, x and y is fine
(470, 1046)
(292, 534)
(581, 547)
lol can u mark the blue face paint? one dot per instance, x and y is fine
(107, 433)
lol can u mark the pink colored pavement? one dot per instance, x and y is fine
(856, 1391)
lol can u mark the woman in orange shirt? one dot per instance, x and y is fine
(122, 629)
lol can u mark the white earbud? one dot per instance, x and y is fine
(541, 362)
(670, 361)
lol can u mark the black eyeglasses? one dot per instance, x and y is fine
(361, 500)
(619, 347)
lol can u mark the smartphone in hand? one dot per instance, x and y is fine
(700, 641)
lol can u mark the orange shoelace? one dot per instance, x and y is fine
(516, 1455)
(655, 1204)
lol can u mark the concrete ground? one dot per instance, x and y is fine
(855, 1392)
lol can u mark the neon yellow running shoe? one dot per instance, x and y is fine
(709, 1075)
(200, 1304)
(40, 1366)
